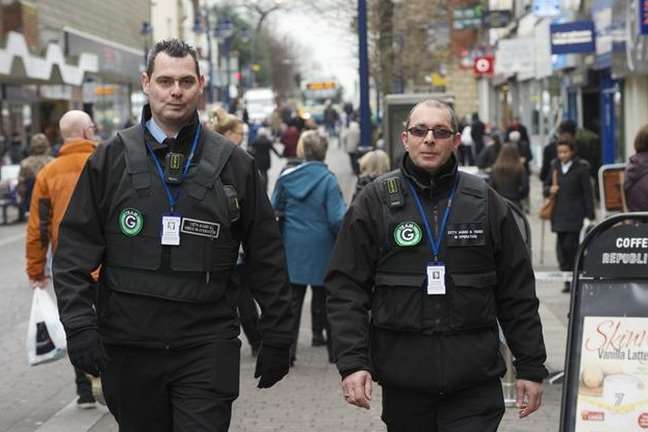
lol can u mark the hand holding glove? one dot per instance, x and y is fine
(86, 351)
(272, 365)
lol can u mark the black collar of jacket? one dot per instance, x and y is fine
(184, 139)
(434, 183)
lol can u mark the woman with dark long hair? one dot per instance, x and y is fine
(508, 176)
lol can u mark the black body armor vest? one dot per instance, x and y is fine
(198, 269)
(400, 300)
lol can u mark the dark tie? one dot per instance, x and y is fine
(170, 143)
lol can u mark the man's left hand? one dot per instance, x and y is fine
(272, 365)
(529, 396)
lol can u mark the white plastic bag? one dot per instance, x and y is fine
(45, 334)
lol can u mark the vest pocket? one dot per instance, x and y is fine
(398, 302)
(473, 300)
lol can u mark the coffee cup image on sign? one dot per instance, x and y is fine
(593, 376)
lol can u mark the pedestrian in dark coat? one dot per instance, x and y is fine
(477, 132)
(260, 149)
(635, 184)
(574, 201)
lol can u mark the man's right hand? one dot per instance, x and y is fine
(356, 388)
(86, 351)
(40, 283)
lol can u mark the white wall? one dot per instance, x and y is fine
(165, 15)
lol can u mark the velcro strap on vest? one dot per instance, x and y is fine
(215, 154)
(136, 158)
(394, 197)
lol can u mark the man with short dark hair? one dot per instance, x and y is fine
(163, 208)
(427, 261)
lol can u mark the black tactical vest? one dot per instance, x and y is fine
(198, 269)
(400, 300)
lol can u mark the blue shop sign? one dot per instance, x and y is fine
(643, 17)
(572, 37)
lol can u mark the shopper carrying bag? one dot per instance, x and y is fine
(45, 335)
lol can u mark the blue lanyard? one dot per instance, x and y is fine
(434, 244)
(174, 199)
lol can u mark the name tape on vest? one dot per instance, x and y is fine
(465, 235)
(200, 228)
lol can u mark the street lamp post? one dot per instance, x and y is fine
(365, 118)
(145, 31)
(210, 85)
(225, 32)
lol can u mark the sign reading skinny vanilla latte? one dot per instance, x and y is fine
(613, 379)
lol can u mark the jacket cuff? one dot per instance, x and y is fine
(530, 373)
(346, 372)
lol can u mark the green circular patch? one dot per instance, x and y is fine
(407, 234)
(130, 222)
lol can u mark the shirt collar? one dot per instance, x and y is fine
(156, 131)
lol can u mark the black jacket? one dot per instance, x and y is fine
(575, 199)
(438, 362)
(152, 321)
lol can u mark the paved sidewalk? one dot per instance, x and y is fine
(309, 398)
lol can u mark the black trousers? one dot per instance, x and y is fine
(478, 408)
(566, 249)
(319, 322)
(189, 390)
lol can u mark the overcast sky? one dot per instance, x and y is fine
(330, 48)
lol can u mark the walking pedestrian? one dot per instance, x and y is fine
(635, 183)
(163, 208)
(426, 263)
(508, 176)
(16, 149)
(351, 142)
(261, 148)
(51, 195)
(310, 199)
(570, 183)
(29, 167)
(477, 132)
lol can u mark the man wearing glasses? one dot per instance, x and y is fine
(427, 261)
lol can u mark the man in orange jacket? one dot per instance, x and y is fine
(52, 192)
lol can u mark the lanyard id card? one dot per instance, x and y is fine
(170, 230)
(436, 279)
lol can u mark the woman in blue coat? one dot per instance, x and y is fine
(309, 198)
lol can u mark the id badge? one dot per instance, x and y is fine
(436, 279)
(171, 230)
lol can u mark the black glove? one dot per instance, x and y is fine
(272, 365)
(86, 351)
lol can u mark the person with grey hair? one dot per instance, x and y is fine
(427, 261)
(312, 205)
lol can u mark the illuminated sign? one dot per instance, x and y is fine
(321, 85)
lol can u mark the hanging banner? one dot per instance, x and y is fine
(572, 38)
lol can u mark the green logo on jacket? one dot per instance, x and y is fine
(130, 222)
(407, 234)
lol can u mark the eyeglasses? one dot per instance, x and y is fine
(437, 132)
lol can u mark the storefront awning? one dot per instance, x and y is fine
(19, 66)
